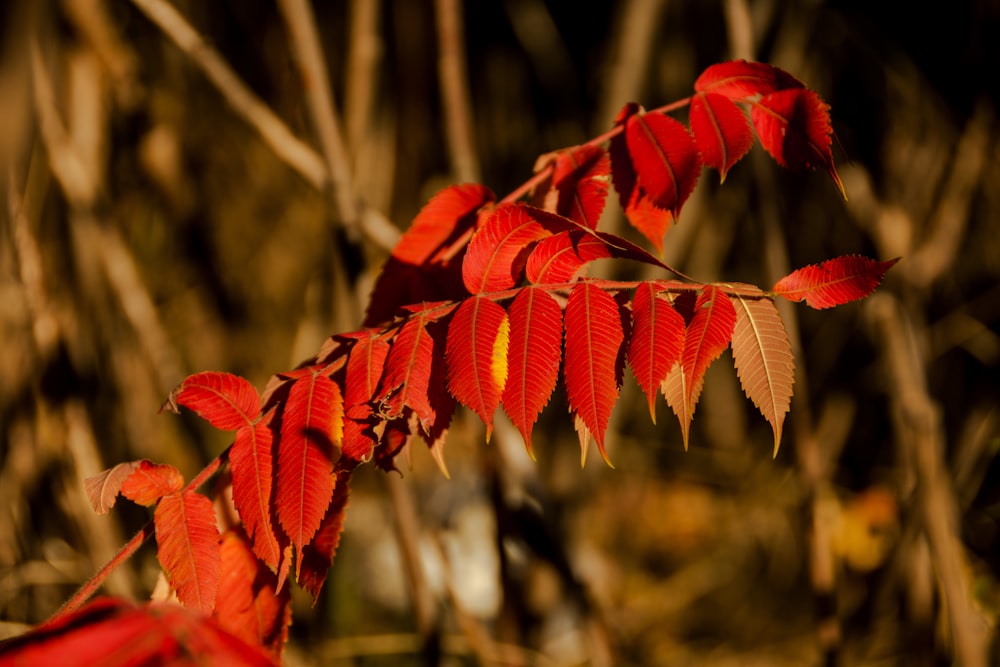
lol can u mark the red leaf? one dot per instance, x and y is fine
(426, 262)
(317, 557)
(477, 357)
(558, 258)
(794, 127)
(580, 178)
(721, 131)
(534, 356)
(656, 341)
(651, 221)
(364, 368)
(496, 254)
(151, 481)
(665, 158)
(250, 462)
(247, 604)
(406, 380)
(224, 400)
(707, 336)
(763, 358)
(739, 79)
(187, 546)
(103, 488)
(311, 432)
(640, 211)
(594, 337)
(117, 633)
(834, 282)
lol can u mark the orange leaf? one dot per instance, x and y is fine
(834, 282)
(250, 461)
(224, 400)
(151, 481)
(535, 353)
(111, 632)
(311, 432)
(594, 337)
(763, 358)
(656, 341)
(187, 546)
(476, 353)
(247, 604)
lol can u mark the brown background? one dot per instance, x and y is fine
(150, 231)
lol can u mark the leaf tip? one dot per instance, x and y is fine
(437, 452)
(531, 451)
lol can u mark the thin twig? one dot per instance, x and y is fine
(304, 39)
(453, 75)
(363, 54)
(289, 148)
(408, 532)
(919, 430)
(129, 548)
(638, 29)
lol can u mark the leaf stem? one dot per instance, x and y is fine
(90, 587)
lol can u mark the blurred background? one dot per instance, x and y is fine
(194, 186)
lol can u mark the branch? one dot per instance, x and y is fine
(129, 548)
(289, 148)
(454, 78)
(304, 37)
